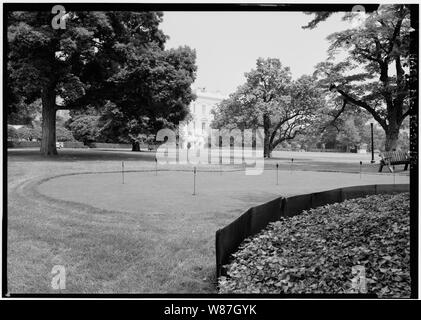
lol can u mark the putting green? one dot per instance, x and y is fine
(172, 191)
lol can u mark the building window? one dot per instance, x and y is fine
(203, 127)
(203, 109)
(194, 126)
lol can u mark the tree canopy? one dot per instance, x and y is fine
(99, 58)
(270, 99)
(151, 94)
(374, 75)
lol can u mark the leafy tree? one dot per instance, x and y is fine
(346, 131)
(329, 139)
(320, 16)
(22, 113)
(64, 134)
(88, 63)
(379, 137)
(404, 141)
(160, 84)
(12, 133)
(269, 99)
(349, 136)
(365, 79)
(350, 129)
(29, 133)
(84, 128)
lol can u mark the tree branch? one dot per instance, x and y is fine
(361, 104)
(335, 117)
(405, 114)
(396, 31)
(286, 136)
(367, 54)
(280, 123)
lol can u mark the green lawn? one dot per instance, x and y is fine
(149, 235)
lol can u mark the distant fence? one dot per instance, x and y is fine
(257, 218)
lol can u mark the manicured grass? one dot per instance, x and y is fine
(149, 235)
(171, 192)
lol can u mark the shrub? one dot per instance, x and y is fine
(28, 133)
(12, 133)
(63, 134)
(84, 128)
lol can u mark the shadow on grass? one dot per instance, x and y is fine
(73, 155)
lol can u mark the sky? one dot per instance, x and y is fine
(228, 43)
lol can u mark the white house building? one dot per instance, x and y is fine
(195, 130)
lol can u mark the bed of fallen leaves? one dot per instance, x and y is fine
(317, 251)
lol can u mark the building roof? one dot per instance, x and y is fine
(204, 94)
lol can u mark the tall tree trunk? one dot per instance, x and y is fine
(48, 139)
(267, 150)
(392, 136)
(135, 146)
(392, 130)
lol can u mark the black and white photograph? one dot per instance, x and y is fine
(210, 150)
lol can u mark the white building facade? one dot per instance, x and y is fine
(195, 131)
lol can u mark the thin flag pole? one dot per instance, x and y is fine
(277, 179)
(194, 181)
(394, 174)
(156, 166)
(122, 170)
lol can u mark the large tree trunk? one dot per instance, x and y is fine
(267, 150)
(392, 130)
(48, 139)
(392, 136)
(135, 146)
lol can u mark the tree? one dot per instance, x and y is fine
(82, 64)
(21, 113)
(373, 49)
(64, 134)
(349, 136)
(29, 133)
(347, 131)
(320, 16)
(150, 93)
(269, 99)
(12, 133)
(84, 127)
